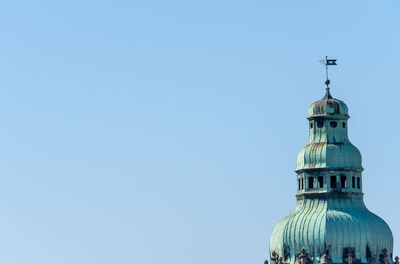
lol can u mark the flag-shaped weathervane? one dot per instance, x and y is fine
(328, 62)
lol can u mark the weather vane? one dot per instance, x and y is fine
(327, 62)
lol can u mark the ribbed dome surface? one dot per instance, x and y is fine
(327, 106)
(333, 223)
(317, 155)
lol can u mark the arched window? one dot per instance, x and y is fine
(298, 184)
(321, 182)
(311, 124)
(302, 183)
(333, 124)
(333, 181)
(353, 182)
(358, 183)
(348, 251)
(343, 181)
(343, 124)
(320, 124)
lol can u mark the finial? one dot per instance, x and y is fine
(327, 82)
(327, 62)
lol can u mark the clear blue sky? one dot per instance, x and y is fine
(167, 131)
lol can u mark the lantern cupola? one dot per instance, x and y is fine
(328, 162)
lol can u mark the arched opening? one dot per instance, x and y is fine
(333, 181)
(348, 253)
(320, 124)
(358, 183)
(333, 124)
(311, 124)
(343, 181)
(343, 124)
(353, 182)
(310, 182)
(302, 183)
(368, 253)
(320, 182)
(298, 184)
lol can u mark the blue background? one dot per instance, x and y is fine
(167, 131)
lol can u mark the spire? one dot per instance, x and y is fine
(327, 62)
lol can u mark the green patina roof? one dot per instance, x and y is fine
(317, 155)
(328, 106)
(331, 224)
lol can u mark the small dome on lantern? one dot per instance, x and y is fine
(328, 107)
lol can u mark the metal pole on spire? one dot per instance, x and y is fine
(326, 67)
(328, 62)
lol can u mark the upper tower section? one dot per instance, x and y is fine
(330, 224)
(328, 146)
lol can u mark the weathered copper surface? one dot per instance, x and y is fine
(330, 223)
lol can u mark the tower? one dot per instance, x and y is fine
(330, 223)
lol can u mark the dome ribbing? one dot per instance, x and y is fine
(328, 107)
